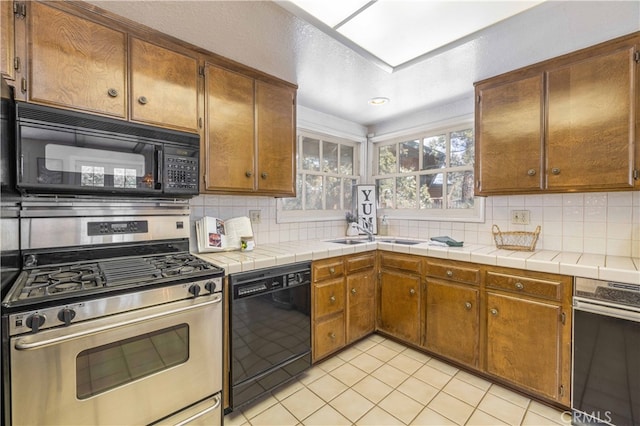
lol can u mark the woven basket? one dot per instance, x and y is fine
(516, 240)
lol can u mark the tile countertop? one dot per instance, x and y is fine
(610, 268)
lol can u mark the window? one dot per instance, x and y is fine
(428, 176)
(328, 168)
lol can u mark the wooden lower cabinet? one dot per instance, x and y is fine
(528, 331)
(329, 336)
(452, 325)
(399, 295)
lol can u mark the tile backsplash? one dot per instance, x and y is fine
(599, 223)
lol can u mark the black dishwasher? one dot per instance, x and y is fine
(270, 329)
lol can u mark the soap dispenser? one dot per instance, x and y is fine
(383, 227)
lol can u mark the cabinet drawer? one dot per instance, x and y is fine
(328, 298)
(453, 272)
(399, 261)
(329, 336)
(360, 261)
(548, 289)
(324, 269)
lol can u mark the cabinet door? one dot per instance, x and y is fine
(524, 340)
(452, 321)
(399, 312)
(509, 137)
(164, 86)
(590, 123)
(361, 305)
(76, 63)
(229, 152)
(275, 110)
(7, 40)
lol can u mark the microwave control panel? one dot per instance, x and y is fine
(181, 173)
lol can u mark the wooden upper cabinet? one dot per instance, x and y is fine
(75, 63)
(230, 137)
(509, 136)
(7, 40)
(563, 125)
(590, 135)
(164, 86)
(276, 127)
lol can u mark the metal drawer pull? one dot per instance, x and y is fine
(142, 100)
(519, 285)
(112, 92)
(467, 306)
(248, 173)
(332, 270)
(201, 413)
(264, 175)
(412, 292)
(531, 172)
(353, 291)
(332, 299)
(555, 171)
(494, 312)
(449, 273)
(332, 336)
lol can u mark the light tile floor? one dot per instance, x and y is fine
(378, 381)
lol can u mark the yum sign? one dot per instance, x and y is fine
(367, 206)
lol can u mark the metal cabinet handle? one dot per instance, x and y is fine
(332, 270)
(264, 175)
(519, 286)
(353, 291)
(449, 273)
(412, 292)
(248, 173)
(531, 172)
(494, 312)
(332, 299)
(467, 306)
(555, 171)
(332, 336)
(142, 100)
(112, 92)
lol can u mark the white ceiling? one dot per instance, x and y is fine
(337, 80)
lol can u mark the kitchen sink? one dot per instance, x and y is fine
(348, 241)
(397, 241)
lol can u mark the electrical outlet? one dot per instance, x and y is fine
(254, 215)
(520, 217)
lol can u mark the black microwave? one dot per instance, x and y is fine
(72, 153)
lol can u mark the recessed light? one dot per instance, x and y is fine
(378, 101)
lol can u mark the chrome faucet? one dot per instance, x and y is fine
(367, 230)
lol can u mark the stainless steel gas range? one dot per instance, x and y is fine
(112, 320)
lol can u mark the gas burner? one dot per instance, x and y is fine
(180, 270)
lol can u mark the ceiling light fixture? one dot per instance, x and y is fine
(378, 101)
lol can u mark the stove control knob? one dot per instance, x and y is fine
(210, 286)
(66, 315)
(195, 290)
(35, 321)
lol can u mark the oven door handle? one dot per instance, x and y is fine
(608, 311)
(201, 413)
(24, 344)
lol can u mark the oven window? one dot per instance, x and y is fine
(109, 366)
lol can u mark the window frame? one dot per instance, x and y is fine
(289, 216)
(475, 214)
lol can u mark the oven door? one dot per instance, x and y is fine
(132, 368)
(606, 364)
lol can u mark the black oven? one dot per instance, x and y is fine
(606, 353)
(60, 151)
(270, 329)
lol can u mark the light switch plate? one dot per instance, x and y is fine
(254, 215)
(520, 217)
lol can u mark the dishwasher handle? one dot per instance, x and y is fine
(605, 310)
